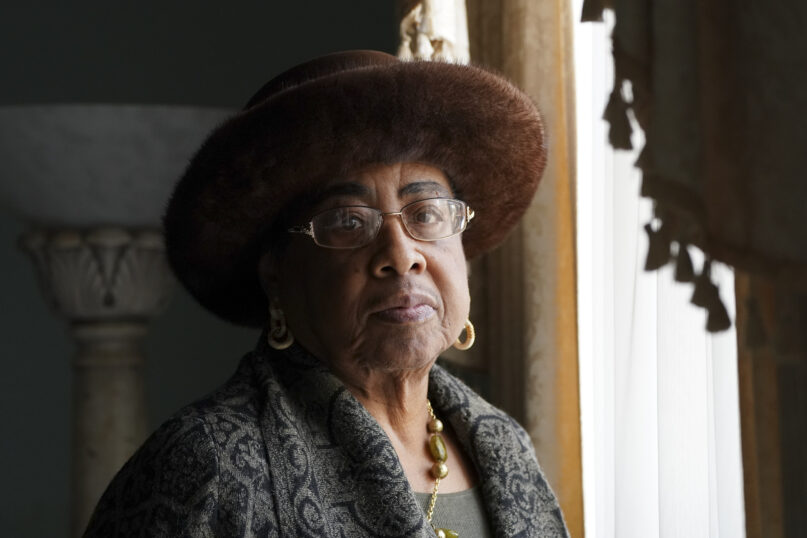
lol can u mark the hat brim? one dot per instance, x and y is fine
(482, 131)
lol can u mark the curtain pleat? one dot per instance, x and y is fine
(530, 290)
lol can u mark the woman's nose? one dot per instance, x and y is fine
(397, 252)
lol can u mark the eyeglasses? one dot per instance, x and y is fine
(356, 226)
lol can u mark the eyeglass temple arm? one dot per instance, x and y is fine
(308, 229)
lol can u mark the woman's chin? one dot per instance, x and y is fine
(403, 349)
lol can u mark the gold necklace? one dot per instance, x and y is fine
(437, 448)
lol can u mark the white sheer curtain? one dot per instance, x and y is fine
(659, 401)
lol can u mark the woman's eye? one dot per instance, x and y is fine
(348, 221)
(429, 215)
(352, 222)
(341, 220)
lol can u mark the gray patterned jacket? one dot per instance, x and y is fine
(283, 449)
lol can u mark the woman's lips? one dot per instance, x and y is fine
(405, 314)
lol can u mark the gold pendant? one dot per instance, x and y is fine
(446, 533)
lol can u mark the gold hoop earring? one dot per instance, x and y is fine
(279, 336)
(470, 336)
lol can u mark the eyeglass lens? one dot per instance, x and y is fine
(355, 226)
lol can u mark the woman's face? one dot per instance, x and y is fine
(392, 305)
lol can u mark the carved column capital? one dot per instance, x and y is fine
(101, 274)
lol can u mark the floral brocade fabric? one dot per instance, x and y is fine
(283, 449)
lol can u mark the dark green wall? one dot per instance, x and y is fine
(198, 53)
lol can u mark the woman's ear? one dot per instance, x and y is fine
(268, 273)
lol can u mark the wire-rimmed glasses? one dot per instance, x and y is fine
(356, 226)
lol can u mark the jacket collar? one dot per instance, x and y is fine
(335, 471)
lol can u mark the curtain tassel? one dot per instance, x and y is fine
(700, 297)
(658, 251)
(616, 113)
(408, 30)
(592, 11)
(642, 159)
(683, 265)
(707, 295)
(718, 319)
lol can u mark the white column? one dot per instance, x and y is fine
(108, 283)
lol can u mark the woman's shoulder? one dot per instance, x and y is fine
(221, 429)
(172, 477)
(183, 478)
(453, 394)
(235, 405)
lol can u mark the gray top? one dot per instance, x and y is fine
(463, 512)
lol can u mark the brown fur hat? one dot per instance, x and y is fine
(332, 116)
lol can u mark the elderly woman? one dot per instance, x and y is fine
(332, 211)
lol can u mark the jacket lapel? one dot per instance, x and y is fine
(334, 471)
(518, 498)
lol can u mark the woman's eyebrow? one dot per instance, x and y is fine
(358, 190)
(340, 189)
(417, 187)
